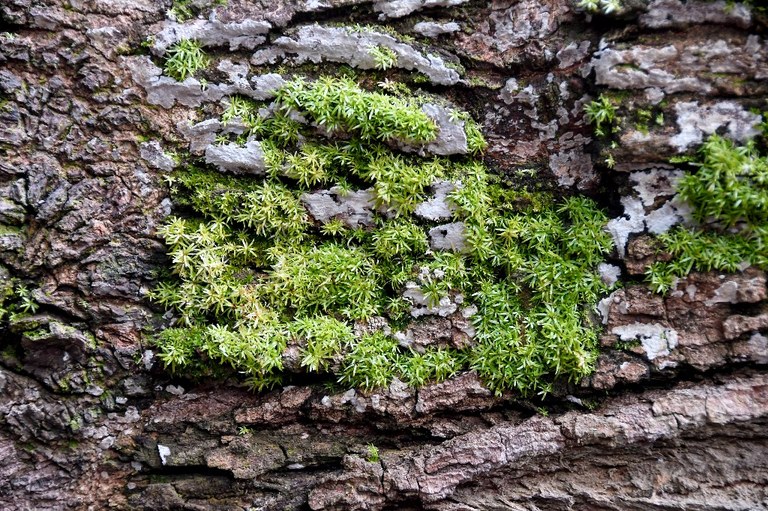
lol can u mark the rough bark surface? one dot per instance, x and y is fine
(88, 417)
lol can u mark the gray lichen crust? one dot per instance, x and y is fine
(317, 43)
(400, 8)
(246, 34)
(248, 159)
(355, 208)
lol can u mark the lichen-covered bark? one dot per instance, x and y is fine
(90, 420)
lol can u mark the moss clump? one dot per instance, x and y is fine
(602, 113)
(729, 197)
(185, 58)
(339, 103)
(16, 301)
(253, 272)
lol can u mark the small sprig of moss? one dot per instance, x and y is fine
(730, 186)
(241, 108)
(398, 239)
(394, 87)
(383, 57)
(601, 113)
(185, 10)
(432, 366)
(475, 140)
(604, 6)
(372, 453)
(184, 59)
(16, 300)
(398, 184)
(357, 28)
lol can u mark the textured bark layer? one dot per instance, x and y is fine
(88, 418)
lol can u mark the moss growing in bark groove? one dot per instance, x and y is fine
(16, 301)
(254, 273)
(729, 196)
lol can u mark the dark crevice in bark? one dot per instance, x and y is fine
(680, 376)
(9, 27)
(187, 470)
(347, 15)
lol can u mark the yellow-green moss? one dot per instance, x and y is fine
(252, 271)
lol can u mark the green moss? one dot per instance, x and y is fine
(372, 453)
(456, 66)
(399, 239)
(339, 103)
(381, 29)
(434, 365)
(325, 339)
(16, 301)
(327, 277)
(602, 114)
(644, 117)
(185, 58)
(38, 334)
(729, 199)
(731, 184)
(371, 362)
(627, 345)
(384, 57)
(8, 230)
(253, 272)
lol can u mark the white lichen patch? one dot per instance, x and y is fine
(654, 183)
(355, 209)
(633, 221)
(676, 13)
(438, 207)
(166, 91)
(421, 305)
(433, 29)
(726, 293)
(400, 8)
(451, 136)
(609, 273)
(642, 67)
(653, 207)
(573, 54)
(655, 339)
(164, 452)
(152, 152)
(451, 237)
(604, 308)
(663, 219)
(696, 121)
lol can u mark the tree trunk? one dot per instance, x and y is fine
(91, 419)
